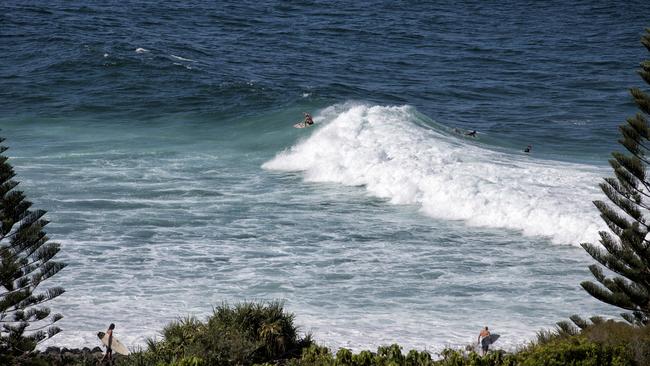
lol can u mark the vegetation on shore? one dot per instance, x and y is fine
(249, 334)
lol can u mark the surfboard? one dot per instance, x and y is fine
(300, 125)
(492, 338)
(117, 346)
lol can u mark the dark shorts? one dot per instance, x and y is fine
(485, 344)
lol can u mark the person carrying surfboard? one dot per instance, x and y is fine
(109, 349)
(484, 339)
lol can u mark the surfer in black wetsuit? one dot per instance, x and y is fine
(471, 134)
(528, 148)
(308, 120)
(109, 350)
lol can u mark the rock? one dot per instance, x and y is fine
(52, 349)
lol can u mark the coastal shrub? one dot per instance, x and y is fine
(393, 356)
(344, 357)
(314, 355)
(26, 261)
(389, 355)
(605, 335)
(415, 358)
(576, 351)
(450, 357)
(363, 358)
(244, 334)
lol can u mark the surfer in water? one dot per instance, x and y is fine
(308, 120)
(484, 340)
(109, 350)
(471, 133)
(528, 148)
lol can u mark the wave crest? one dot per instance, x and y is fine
(394, 154)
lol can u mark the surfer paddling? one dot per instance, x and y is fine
(109, 349)
(484, 340)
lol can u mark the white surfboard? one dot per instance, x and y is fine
(300, 125)
(117, 346)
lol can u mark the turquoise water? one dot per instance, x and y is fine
(159, 139)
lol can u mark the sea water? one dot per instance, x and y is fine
(159, 139)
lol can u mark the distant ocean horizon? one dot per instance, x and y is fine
(159, 139)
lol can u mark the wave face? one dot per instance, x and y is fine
(393, 153)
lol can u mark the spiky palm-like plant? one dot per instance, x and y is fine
(26, 260)
(627, 248)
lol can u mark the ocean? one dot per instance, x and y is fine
(159, 139)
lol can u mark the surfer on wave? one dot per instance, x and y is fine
(308, 120)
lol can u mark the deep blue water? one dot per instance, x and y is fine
(159, 138)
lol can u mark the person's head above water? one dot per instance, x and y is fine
(112, 326)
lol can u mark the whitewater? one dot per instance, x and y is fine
(377, 225)
(393, 154)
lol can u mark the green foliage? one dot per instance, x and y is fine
(363, 358)
(25, 262)
(599, 343)
(457, 358)
(626, 249)
(608, 340)
(574, 351)
(314, 355)
(243, 334)
(344, 357)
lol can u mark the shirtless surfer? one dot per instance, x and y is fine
(483, 339)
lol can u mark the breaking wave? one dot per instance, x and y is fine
(395, 154)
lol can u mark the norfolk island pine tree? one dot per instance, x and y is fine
(26, 260)
(626, 250)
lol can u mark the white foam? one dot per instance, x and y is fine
(185, 66)
(141, 50)
(393, 156)
(181, 58)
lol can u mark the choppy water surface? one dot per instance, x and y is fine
(159, 139)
